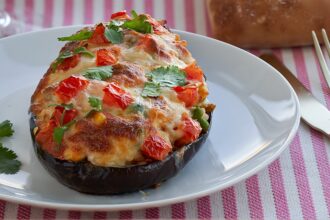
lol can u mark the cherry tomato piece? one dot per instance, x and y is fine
(194, 72)
(69, 115)
(120, 14)
(98, 35)
(191, 131)
(44, 137)
(69, 87)
(105, 57)
(69, 62)
(116, 96)
(187, 94)
(156, 147)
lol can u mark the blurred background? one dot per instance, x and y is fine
(30, 15)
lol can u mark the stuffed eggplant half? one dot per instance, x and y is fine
(122, 108)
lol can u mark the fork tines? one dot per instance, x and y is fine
(320, 56)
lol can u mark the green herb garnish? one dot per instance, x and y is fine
(6, 129)
(135, 108)
(83, 51)
(67, 54)
(197, 114)
(98, 73)
(134, 14)
(8, 162)
(169, 76)
(113, 35)
(95, 103)
(151, 89)
(81, 35)
(139, 23)
(59, 131)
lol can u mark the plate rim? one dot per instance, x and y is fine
(164, 202)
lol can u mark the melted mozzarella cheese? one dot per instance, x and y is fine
(165, 119)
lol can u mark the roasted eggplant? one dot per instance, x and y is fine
(122, 108)
(88, 178)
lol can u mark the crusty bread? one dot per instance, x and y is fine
(268, 23)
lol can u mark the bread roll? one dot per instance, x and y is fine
(268, 23)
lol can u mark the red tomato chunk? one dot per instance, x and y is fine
(194, 72)
(69, 62)
(116, 96)
(69, 87)
(120, 14)
(45, 138)
(156, 147)
(187, 94)
(191, 131)
(69, 115)
(105, 57)
(98, 35)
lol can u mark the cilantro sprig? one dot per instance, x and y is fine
(6, 129)
(67, 54)
(58, 132)
(135, 108)
(139, 23)
(81, 35)
(98, 73)
(197, 113)
(114, 33)
(95, 103)
(151, 89)
(114, 30)
(8, 158)
(8, 161)
(169, 76)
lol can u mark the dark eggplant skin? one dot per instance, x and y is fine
(88, 178)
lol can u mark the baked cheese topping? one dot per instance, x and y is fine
(121, 93)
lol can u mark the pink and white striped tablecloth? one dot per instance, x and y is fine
(295, 186)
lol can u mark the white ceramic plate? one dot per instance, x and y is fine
(256, 117)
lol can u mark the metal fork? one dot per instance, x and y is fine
(320, 56)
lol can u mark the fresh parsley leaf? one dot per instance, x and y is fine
(115, 24)
(197, 114)
(96, 103)
(8, 162)
(83, 51)
(135, 108)
(59, 132)
(114, 36)
(67, 54)
(6, 129)
(139, 23)
(134, 14)
(169, 76)
(151, 89)
(81, 35)
(98, 73)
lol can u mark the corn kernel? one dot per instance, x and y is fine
(35, 130)
(99, 118)
(203, 92)
(72, 155)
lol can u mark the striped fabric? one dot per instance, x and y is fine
(295, 186)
